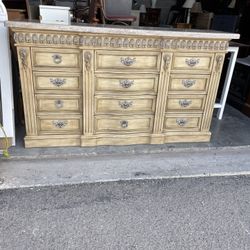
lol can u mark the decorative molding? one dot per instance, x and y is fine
(219, 61)
(23, 57)
(166, 59)
(87, 60)
(119, 42)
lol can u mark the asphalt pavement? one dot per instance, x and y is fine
(182, 213)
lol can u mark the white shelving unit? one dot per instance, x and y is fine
(6, 78)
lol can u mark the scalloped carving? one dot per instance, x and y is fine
(119, 42)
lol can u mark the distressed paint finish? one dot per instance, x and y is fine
(89, 89)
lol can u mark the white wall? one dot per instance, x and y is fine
(6, 77)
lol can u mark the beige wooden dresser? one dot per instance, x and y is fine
(90, 85)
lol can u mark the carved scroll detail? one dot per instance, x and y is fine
(166, 60)
(219, 60)
(87, 60)
(23, 57)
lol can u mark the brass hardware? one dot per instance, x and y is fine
(124, 124)
(126, 83)
(188, 83)
(58, 82)
(58, 104)
(185, 103)
(57, 58)
(192, 61)
(125, 104)
(181, 122)
(128, 61)
(60, 124)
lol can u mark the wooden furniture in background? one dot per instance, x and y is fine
(151, 17)
(117, 86)
(95, 13)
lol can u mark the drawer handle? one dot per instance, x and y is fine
(126, 83)
(57, 58)
(124, 124)
(125, 104)
(58, 82)
(181, 122)
(185, 103)
(192, 61)
(58, 104)
(128, 61)
(188, 83)
(60, 124)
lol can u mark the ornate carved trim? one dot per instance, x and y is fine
(219, 60)
(166, 59)
(119, 42)
(23, 57)
(87, 60)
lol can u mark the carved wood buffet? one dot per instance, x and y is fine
(90, 85)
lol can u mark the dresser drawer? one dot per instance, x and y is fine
(59, 124)
(58, 103)
(123, 124)
(188, 82)
(127, 60)
(185, 102)
(125, 105)
(126, 83)
(56, 81)
(68, 58)
(192, 61)
(182, 122)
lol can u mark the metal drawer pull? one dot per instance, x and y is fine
(126, 83)
(58, 82)
(57, 58)
(127, 61)
(181, 122)
(185, 103)
(58, 104)
(125, 104)
(192, 61)
(60, 124)
(124, 124)
(188, 83)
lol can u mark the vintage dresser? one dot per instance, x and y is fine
(90, 85)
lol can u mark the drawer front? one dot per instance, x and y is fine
(126, 83)
(127, 60)
(188, 83)
(183, 123)
(181, 103)
(59, 125)
(58, 103)
(123, 124)
(42, 57)
(124, 105)
(53, 81)
(191, 61)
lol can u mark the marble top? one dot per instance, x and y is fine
(125, 30)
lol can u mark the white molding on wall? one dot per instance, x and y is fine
(6, 77)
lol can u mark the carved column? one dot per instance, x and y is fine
(88, 96)
(212, 91)
(25, 68)
(157, 136)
